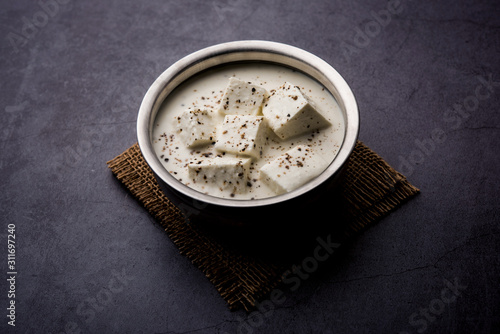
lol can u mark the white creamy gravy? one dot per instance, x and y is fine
(206, 90)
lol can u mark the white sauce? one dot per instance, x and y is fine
(206, 90)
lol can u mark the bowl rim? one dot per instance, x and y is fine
(261, 50)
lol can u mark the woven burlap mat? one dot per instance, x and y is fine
(246, 265)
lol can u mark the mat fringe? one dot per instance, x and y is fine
(371, 189)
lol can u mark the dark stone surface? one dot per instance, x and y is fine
(90, 259)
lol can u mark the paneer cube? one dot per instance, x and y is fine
(290, 113)
(243, 135)
(225, 173)
(242, 98)
(196, 127)
(292, 169)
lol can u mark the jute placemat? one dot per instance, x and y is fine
(246, 266)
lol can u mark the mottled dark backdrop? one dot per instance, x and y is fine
(89, 259)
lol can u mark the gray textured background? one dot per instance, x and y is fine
(91, 260)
